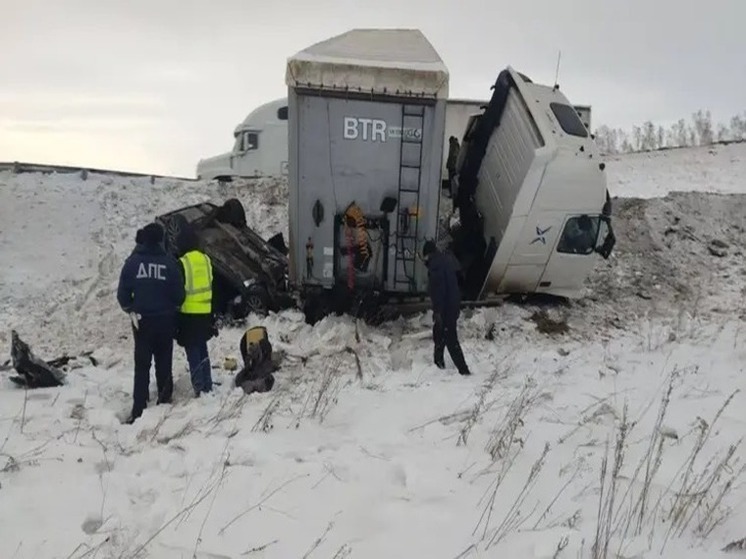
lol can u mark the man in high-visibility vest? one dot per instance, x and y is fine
(195, 324)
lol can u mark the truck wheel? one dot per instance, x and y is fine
(233, 213)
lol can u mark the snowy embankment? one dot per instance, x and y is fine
(393, 458)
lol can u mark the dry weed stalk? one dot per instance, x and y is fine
(203, 494)
(503, 436)
(556, 498)
(651, 460)
(343, 552)
(264, 423)
(513, 520)
(259, 548)
(327, 391)
(480, 407)
(500, 448)
(319, 540)
(260, 503)
(607, 493)
(212, 502)
(697, 495)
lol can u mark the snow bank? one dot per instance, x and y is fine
(395, 458)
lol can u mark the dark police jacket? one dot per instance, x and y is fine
(151, 283)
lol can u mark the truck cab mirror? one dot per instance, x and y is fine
(606, 238)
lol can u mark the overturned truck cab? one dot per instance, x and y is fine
(365, 141)
(534, 210)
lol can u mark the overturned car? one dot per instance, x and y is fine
(250, 274)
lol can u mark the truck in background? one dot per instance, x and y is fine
(260, 146)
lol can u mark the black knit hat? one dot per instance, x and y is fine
(138, 237)
(152, 234)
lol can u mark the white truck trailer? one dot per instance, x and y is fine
(531, 194)
(365, 131)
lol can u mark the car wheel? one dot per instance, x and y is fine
(232, 212)
(173, 228)
(257, 300)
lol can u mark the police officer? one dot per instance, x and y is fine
(151, 289)
(445, 296)
(195, 322)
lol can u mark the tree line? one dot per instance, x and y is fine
(699, 131)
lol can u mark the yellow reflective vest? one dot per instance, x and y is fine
(197, 283)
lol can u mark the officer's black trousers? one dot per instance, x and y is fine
(154, 341)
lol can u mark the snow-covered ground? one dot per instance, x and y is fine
(395, 458)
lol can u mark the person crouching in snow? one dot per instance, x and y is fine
(258, 363)
(195, 321)
(151, 290)
(445, 296)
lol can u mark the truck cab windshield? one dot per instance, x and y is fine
(579, 235)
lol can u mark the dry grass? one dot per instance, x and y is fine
(481, 404)
(503, 447)
(693, 500)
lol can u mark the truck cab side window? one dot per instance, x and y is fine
(282, 113)
(250, 141)
(579, 235)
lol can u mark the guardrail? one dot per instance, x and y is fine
(18, 167)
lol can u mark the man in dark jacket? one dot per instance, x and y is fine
(151, 289)
(445, 296)
(196, 322)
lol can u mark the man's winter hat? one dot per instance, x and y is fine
(138, 237)
(428, 248)
(152, 234)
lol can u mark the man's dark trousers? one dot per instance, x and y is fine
(153, 342)
(446, 335)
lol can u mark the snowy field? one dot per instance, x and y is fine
(616, 420)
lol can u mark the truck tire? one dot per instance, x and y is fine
(233, 213)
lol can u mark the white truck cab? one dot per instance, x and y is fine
(531, 192)
(258, 141)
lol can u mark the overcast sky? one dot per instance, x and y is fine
(153, 85)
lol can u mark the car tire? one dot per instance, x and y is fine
(233, 213)
(257, 300)
(173, 227)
